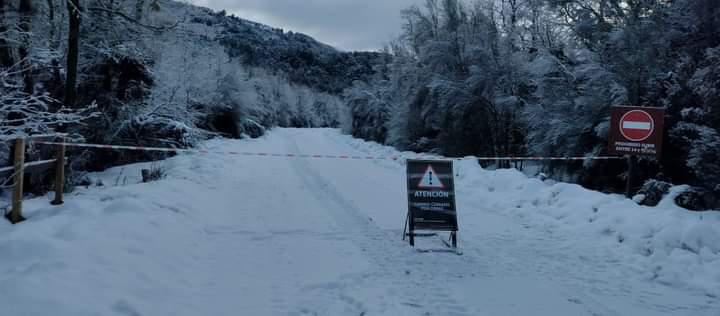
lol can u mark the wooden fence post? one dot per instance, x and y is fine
(18, 177)
(59, 175)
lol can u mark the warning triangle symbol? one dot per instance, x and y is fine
(430, 180)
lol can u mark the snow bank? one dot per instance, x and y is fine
(666, 243)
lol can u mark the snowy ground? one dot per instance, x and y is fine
(232, 235)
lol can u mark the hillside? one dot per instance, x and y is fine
(304, 60)
(169, 73)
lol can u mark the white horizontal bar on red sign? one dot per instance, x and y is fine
(314, 156)
(637, 125)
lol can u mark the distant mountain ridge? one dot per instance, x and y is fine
(303, 59)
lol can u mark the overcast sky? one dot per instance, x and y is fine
(345, 24)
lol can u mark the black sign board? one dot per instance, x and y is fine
(431, 196)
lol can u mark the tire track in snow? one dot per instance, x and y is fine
(582, 274)
(495, 256)
(383, 248)
(433, 276)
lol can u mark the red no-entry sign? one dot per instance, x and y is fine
(636, 130)
(637, 125)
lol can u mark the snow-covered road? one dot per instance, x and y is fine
(233, 235)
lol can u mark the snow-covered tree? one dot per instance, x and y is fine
(539, 77)
(570, 100)
(31, 114)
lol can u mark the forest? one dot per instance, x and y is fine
(538, 78)
(478, 77)
(159, 73)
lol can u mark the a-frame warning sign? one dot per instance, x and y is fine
(431, 198)
(430, 180)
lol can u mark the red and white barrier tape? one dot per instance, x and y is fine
(546, 158)
(311, 156)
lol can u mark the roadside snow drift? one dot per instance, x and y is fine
(234, 235)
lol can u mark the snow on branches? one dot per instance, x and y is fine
(27, 114)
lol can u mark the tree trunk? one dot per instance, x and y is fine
(51, 20)
(74, 11)
(139, 6)
(111, 6)
(6, 59)
(54, 43)
(25, 10)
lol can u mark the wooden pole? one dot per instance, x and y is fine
(59, 175)
(630, 176)
(19, 163)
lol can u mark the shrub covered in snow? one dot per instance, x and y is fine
(696, 199)
(653, 191)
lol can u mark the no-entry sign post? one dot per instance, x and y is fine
(636, 131)
(431, 198)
